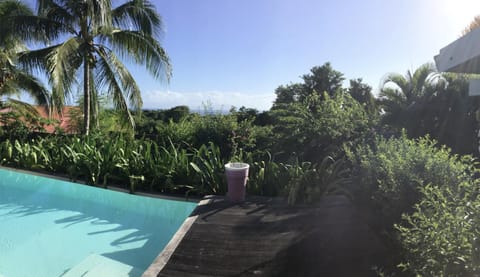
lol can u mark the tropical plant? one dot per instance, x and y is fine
(173, 167)
(71, 154)
(28, 155)
(131, 164)
(209, 165)
(449, 115)
(267, 177)
(89, 35)
(310, 181)
(401, 96)
(12, 78)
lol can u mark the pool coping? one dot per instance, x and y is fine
(161, 260)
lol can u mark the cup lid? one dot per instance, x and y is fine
(237, 166)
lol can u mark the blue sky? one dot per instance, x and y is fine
(236, 52)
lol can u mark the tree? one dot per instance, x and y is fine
(90, 35)
(321, 79)
(317, 126)
(401, 96)
(288, 94)
(363, 94)
(449, 115)
(12, 78)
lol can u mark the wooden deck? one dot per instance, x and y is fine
(265, 237)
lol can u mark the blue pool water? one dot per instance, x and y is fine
(55, 228)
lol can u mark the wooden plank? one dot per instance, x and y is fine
(265, 237)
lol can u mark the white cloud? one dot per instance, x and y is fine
(213, 99)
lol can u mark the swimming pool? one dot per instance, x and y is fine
(50, 228)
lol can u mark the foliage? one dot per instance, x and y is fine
(408, 88)
(208, 164)
(428, 103)
(318, 125)
(19, 120)
(400, 96)
(91, 35)
(312, 119)
(12, 78)
(449, 115)
(363, 94)
(267, 177)
(321, 79)
(441, 238)
(391, 173)
(301, 183)
(141, 164)
(225, 131)
(310, 182)
(215, 128)
(147, 120)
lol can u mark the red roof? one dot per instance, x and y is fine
(61, 120)
(64, 119)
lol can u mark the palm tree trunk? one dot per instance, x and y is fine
(94, 105)
(86, 95)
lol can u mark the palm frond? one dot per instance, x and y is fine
(143, 49)
(9, 8)
(422, 76)
(139, 14)
(58, 13)
(6, 61)
(33, 87)
(398, 80)
(34, 61)
(21, 107)
(119, 84)
(35, 28)
(44, 5)
(62, 63)
(13, 7)
(389, 98)
(99, 12)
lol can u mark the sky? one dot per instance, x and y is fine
(228, 53)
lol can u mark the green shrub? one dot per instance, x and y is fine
(313, 128)
(391, 173)
(442, 236)
(177, 132)
(266, 177)
(217, 129)
(309, 182)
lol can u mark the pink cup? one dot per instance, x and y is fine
(237, 176)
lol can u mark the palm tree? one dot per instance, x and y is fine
(402, 97)
(91, 35)
(12, 78)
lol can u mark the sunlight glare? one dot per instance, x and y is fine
(458, 13)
